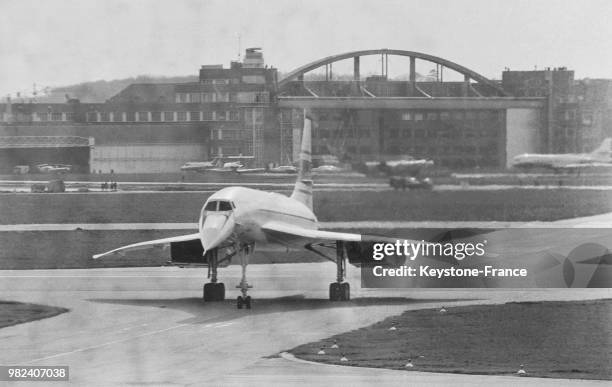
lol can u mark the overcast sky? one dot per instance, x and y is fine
(60, 42)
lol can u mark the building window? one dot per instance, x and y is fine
(195, 97)
(92, 116)
(70, 116)
(457, 116)
(181, 116)
(432, 116)
(418, 117)
(261, 97)
(194, 116)
(143, 116)
(220, 116)
(43, 116)
(130, 116)
(104, 116)
(56, 116)
(182, 97)
(207, 115)
(168, 116)
(444, 116)
(221, 81)
(207, 97)
(156, 116)
(222, 97)
(256, 79)
(406, 116)
(118, 117)
(234, 115)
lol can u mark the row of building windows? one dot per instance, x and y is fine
(414, 115)
(231, 115)
(53, 116)
(408, 133)
(241, 97)
(252, 79)
(444, 116)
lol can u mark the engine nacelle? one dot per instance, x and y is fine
(190, 252)
(362, 254)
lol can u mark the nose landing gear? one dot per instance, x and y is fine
(244, 299)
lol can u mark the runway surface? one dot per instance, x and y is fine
(149, 326)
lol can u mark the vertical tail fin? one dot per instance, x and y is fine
(302, 192)
(605, 148)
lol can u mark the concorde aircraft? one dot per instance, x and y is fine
(235, 220)
(600, 157)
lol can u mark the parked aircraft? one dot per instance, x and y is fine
(54, 168)
(235, 220)
(217, 164)
(600, 157)
(409, 166)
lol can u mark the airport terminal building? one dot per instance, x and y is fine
(247, 110)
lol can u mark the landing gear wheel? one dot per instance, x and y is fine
(335, 293)
(213, 292)
(339, 291)
(346, 291)
(239, 302)
(220, 291)
(247, 302)
(208, 293)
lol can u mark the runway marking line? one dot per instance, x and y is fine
(106, 344)
(215, 325)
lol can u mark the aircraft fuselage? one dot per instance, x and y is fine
(246, 211)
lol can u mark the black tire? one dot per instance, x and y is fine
(219, 291)
(247, 302)
(335, 291)
(239, 302)
(208, 293)
(346, 291)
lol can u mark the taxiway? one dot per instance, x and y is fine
(149, 325)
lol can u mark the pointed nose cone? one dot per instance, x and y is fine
(215, 230)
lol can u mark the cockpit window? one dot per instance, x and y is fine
(219, 205)
(225, 206)
(211, 206)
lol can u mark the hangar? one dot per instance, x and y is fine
(35, 150)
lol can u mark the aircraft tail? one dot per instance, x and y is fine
(605, 148)
(302, 192)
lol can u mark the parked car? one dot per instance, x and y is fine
(21, 169)
(410, 182)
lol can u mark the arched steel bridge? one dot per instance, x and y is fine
(298, 74)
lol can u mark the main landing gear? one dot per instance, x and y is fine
(244, 299)
(340, 290)
(213, 291)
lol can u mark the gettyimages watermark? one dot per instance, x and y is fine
(508, 258)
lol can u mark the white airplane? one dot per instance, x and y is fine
(408, 166)
(217, 164)
(600, 157)
(235, 220)
(51, 168)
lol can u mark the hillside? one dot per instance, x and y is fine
(100, 91)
